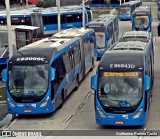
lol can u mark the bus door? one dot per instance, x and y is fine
(59, 65)
(71, 51)
(37, 21)
(88, 53)
(82, 57)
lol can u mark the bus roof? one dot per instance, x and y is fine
(136, 35)
(122, 61)
(142, 10)
(99, 22)
(127, 4)
(45, 48)
(109, 16)
(73, 32)
(130, 45)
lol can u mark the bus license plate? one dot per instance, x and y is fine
(27, 110)
(119, 122)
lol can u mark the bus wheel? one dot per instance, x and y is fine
(62, 100)
(77, 84)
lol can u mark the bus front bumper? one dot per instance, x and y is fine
(30, 109)
(121, 120)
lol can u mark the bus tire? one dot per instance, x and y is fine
(62, 100)
(77, 83)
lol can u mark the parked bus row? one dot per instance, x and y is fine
(122, 85)
(41, 75)
(47, 19)
(106, 32)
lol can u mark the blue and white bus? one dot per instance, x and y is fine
(106, 32)
(142, 19)
(40, 76)
(46, 18)
(126, 10)
(122, 85)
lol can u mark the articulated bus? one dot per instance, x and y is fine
(126, 10)
(87, 52)
(40, 76)
(114, 18)
(122, 85)
(142, 19)
(106, 32)
(46, 18)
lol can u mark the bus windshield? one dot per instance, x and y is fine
(124, 11)
(28, 81)
(2, 51)
(100, 39)
(120, 89)
(141, 22)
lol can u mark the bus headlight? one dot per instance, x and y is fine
(101, 113)
(45, 102)
(10, 102)
(138, 113)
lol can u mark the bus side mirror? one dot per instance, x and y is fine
(4, 75)
(147, 83)
(52, 74)
(94, 82)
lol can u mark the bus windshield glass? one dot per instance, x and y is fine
(141, 22)
(124, 11)
(2, 51)
(120, 89)
(100, 39)
(28, 81)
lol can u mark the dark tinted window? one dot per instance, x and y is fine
(110, 29)
(70, 18)
(52, 19)
(45, 20)
(3, 22)
(60, 68)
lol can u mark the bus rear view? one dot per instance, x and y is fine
(120, 86)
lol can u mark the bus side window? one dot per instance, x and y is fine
(79, 17)
(67, 62)
(76, 53)
(87, 47)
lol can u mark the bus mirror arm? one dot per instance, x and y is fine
(94, 82)
(4, 75)
(147, 83)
